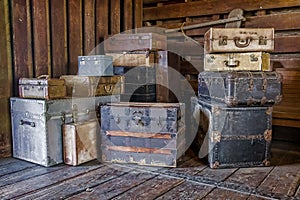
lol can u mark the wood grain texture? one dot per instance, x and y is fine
(41, 37)
(115, 20)
(59, 44)
(287, 44)
(198, 8)
(128, 15)
(75, 34)
(89, 26)
(102, 22)
(22, 42)
(138, 13)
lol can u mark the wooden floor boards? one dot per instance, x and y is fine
(192, 179)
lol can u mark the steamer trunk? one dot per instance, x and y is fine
(95, 65)
(240, 88)
(232, 137)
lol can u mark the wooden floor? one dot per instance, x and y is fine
(191, 180)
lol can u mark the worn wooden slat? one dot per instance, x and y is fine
(213, 175)
(39, 182)
(286, 122)
(128, 15)
(138, 13)
(41, 37)
(187, 190)
(115, 15)
(287, 44)
(78, 184)
(5, 131)
(159, 185)
(89, 26)
(226, 194)
(8, 160)
(116, 186)
(75, 34)
(14, 167)
(198, 8)
(22, 49)
(27, 173)
(102, 8)
(59, 47)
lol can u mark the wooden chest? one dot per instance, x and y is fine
(240, 88)
(95, 65)
(40, 88)
(135, 42)
(232, 137)
(80, 142)
(89, 86)
(143, 133)
(239, 40)
(250, 61)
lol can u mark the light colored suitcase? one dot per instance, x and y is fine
(37, 125)
(249, 61)
(42, 88)
(95, 65)
(239, 40)
(134, 59)
(80, 142)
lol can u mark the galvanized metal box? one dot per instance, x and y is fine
(232, 137)
(37, 125)
(95, 65)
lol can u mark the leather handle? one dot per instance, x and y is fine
(242, 43)
(108, 89)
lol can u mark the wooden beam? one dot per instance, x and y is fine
(41, 37)
(128, 15)
(89, 26)
(138, 13)
(200, 8)
(102, 8)
(115, 15)
(287, 44)
(59, 44)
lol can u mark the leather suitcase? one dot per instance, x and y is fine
(240, 88)
(232, 136)
(133, 59)
(95, 65)
(37, 125)
(135, 42)
(89, 86)
(80, 142)
(239, 40)
(42, 88)
(250, 61)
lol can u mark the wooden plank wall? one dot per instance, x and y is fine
(283, 16)
(45, 37)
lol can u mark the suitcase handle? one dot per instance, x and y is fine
(32, 124)
(108, 89)
(231, 62)
(242, 43)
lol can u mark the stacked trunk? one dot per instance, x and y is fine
(236, 92)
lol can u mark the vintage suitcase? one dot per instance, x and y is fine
(138, 97)
(239, 40)
(135, 42)
(148, 133)
(95, 65)
(80, 142)
(232, 137)
(89, 86)
(133, 59)
(42, 88)
(151, 149)
(250, 61)
(240, 88)
(137, 75)
(37, 125)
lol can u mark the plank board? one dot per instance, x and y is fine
(128, 15)
(102, 16)
(226, 194)
(187, 190)
(78, 184)
(59, 45)
(198, 8)
(75, 34)
(39, 182)
(5, 127)
(89, 26)
(214, 175)
(138, 13)
(41, 37)
(287, 44)
(117, 186)
(15, 167)
(115, 21)
(22, 42)
(159, 185)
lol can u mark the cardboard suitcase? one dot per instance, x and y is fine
(239, 40)
(232, 136)
(143, 133)
(241, 88)
(250, 61)
(95, 65)
(37, 125)
(135, 42)
(42, 88)
(80, 142)
(89, 86)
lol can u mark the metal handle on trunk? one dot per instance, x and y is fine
(32, 124)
